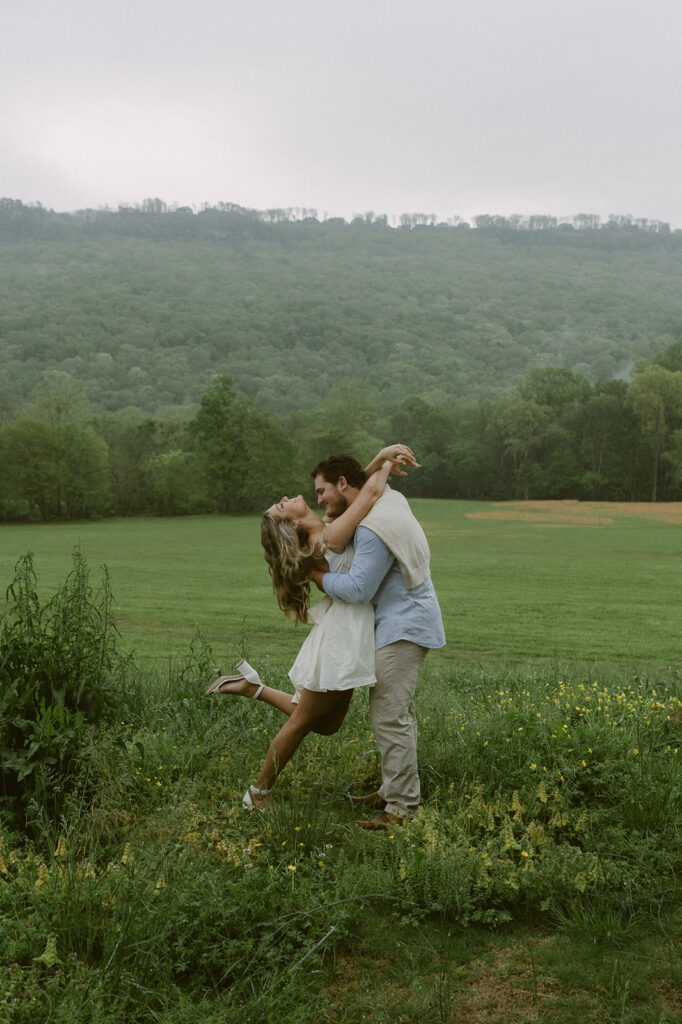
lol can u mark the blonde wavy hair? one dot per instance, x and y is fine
(290, 560)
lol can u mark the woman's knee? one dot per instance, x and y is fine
(302, 722)
(326, 728)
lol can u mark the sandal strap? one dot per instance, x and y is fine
(259, 792)
(256, 695)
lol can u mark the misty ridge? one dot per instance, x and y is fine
(519, 357)
(144, 306)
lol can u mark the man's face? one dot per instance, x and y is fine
(330, 496)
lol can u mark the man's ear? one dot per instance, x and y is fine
(342, 484)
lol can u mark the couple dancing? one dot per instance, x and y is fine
(373, 628)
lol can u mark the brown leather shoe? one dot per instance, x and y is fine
(371, 800)
(381, 822)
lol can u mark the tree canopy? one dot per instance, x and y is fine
(143, 307)
(165, 361)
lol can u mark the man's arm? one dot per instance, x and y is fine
(371, 563)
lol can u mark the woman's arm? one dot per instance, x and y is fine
(339, 532)
(398, 454)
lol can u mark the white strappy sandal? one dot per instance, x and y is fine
(247, 802)
(245, 671)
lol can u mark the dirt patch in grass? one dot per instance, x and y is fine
(502, 985)
(509, 987)
(582, 513)
(671, 1000)
(390, 973)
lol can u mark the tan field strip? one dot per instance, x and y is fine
(581, 513)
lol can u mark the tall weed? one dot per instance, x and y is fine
(60, 677)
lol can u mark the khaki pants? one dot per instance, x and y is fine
(391, 707)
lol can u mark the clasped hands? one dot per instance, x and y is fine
(400, 455)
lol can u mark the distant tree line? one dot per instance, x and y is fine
(555, 436)
(154, 218)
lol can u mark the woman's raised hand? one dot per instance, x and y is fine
(399, 455)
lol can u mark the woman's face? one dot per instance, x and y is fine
(289, 508)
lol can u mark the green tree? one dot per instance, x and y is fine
(131, 443)
(54, 471)
(655, 395)
(555, 388)
(57, 398)
(609, 440)
(673, 457)
(671, 357)
(431, 434)
(521, 427)
(30, 468)
(247, 456)
(83, 469)
(152, 467)
(345, 422)
(177, 484)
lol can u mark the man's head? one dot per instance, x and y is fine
(337, 482)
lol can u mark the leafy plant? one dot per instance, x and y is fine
(59, 674)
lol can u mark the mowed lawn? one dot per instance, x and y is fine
(518, 582)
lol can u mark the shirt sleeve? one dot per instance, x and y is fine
(371, 562)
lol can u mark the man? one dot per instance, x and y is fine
(390, 569)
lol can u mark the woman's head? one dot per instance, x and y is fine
(291, 509)
(289, 558)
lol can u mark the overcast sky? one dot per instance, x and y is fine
(453, 107)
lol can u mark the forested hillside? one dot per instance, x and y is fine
(143, 307)
(171, 362)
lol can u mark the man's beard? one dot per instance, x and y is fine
(339, 507)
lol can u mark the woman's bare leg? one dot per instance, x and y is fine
(333, 720)
(269, 695)
(314, 710)
(324, 726)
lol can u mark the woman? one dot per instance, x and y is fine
(337, 656)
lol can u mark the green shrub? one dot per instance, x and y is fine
(60, 673)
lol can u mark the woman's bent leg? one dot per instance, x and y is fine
(313, 709)
(277, 699)
(333, 720)
(269, 695)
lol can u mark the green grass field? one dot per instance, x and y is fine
(540, 880)
(565, 583)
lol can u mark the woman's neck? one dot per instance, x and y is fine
(313, 525)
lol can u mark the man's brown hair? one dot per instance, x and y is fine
(340, 465)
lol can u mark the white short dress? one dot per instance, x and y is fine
(338, 653)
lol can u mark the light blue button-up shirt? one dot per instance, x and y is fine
(399, 613)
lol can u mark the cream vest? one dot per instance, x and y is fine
(394, 523)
